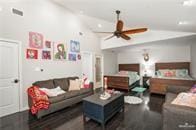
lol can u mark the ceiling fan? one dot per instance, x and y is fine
(120, 33)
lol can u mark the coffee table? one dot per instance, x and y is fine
(102, 110)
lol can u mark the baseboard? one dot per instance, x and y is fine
(24, 108)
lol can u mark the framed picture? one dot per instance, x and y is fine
(46, 55)
(35, 40)
(72, 57)
(60, 51)
(75, 46)
(48, 44)
(79, 56)
(31, 54)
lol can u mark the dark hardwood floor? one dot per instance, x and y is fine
(145, 116)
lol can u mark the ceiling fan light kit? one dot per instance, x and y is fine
(120, 33)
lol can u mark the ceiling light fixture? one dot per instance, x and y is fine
(99, 25)
(1, 9)
(188, 3)
(183, 23)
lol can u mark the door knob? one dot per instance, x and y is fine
(16, 81)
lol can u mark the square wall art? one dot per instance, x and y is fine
(32, 54)
(72, 57)
(48, 44)
(75, 46)
(46, 55)
(35, 40)
(60, 51)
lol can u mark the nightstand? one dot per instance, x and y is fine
(145, 79)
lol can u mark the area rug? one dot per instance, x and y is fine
(133, 100)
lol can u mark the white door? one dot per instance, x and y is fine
(98, 71)
(87, 65)
(9, 75)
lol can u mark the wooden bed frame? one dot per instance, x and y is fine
(118, 82)
(158, 85)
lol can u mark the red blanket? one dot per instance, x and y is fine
(39, 99)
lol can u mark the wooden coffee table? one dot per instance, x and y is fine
(102, 110)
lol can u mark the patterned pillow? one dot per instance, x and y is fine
(181, 72)
(166, 73)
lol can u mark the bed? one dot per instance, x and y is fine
(123, 82)
(158, 84)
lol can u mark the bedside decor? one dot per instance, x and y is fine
(146, 56)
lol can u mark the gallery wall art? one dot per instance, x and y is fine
(35, 40)
(74, 46)
(48, 44)
(46, 55)
(60, 51)
(79, 56)
(31, 54)
(72, 57)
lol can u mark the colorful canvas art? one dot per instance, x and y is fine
(31, 54)
(60, 51)
(48, 44)
(46, 55)
(35, 40)
(72, 57)
(79, 56)
(75, 46)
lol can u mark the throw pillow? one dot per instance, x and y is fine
(53, 92)
(74, 84)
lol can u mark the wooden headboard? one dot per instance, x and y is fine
(173, 65)
(129, 67)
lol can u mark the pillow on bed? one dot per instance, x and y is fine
(127, 73)
(182, 73)
(166, 73)
(123, 72)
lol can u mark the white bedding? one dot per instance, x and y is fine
(178, 78)
(131, 79)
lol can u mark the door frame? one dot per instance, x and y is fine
(102, 67)
(21, 108)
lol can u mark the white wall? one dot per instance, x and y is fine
(157, 54)
(110, 63)
(193, 59)
(56, 24)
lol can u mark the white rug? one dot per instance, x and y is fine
(133, 100)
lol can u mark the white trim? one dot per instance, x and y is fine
(24, 108)
(19, 70)
(102, 68)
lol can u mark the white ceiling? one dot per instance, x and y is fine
(154, 14)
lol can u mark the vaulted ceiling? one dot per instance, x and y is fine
(155, 14)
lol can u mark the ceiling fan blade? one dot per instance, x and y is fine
(132, 31)
(125, 36)
(109, 37)
(104, 32)
(119, 25)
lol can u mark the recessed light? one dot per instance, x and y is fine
(183, 23)
(188, 3)
(1, 9)
(99, 25)
(81, 12)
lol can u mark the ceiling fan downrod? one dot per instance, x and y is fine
(118, 13)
